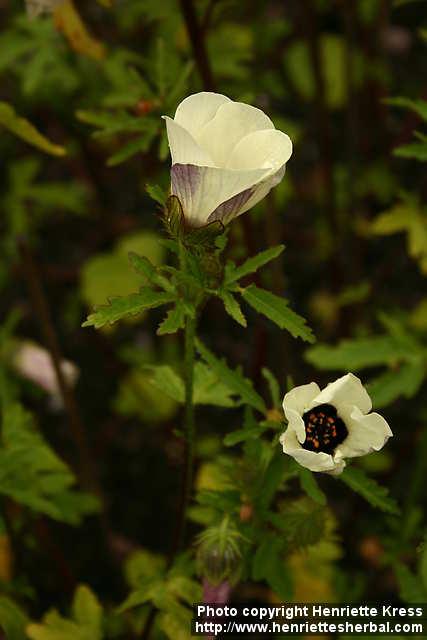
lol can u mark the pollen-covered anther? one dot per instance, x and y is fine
(324, 429)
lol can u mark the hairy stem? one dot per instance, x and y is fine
(190, 333)
(189, 424)
(189, 434)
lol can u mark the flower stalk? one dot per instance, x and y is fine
(189, 421)
(190, 334)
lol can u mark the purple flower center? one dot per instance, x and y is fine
(324, 429)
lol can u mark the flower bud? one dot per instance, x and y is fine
(219, 557)
(218, 594)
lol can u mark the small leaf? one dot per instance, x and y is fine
(32, 474)
(272, 478)
(310, 486)
(404, 381)
(168, 381)
(269, 564)
(184, 588)
(356, 353)
(25, 130)
(137, 598)
(68, 21)
(210, 389)
(247, 433)
(129, 150)
(416, 150)
(252, 264)
(273, 386)
(232, 307)
(174, 217)
(86, 622)
(302, 523)
(233, 379)
(369, 489)
(143, 565)
(119, 308)
(87, 611)
(176, 624)
(411, 217)
(419, 106)
(156, 193)
(12, 619)
(142, 265)
(277, 310)
(206, 236)
(174, 320)
(410, 586)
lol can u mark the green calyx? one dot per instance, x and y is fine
(219, 555)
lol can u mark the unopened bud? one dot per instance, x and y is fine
(216, 594)
(218, 557)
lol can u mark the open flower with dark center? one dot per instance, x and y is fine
(226, 156)
(325, 427)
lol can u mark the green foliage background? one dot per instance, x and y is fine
(89, 489)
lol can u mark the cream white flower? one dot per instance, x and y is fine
(325, 427)
(35, 363)
(226, 156)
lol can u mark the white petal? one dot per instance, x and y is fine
(202, 189)
(265, 148)
(234, 206)
(338, 468)
(247, 199)
(296, 424)
(366, 433)
(184, 149)
(346, 390)
(299, 399)
(261, 190)
(196, 110)
(309, 459)
(232, 122)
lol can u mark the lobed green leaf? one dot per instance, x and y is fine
(121, 307)
(251, 265)
(369, 489)
(277, 310)
(232, 378)
(309, 484)
(25, 130)
(232, 307)
(175, 319)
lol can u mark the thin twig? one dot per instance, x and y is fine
(41, 308)
(323, 123)
(196, 35)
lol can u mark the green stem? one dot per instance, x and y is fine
(190, 334)
(189, 423)
(189, 433)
